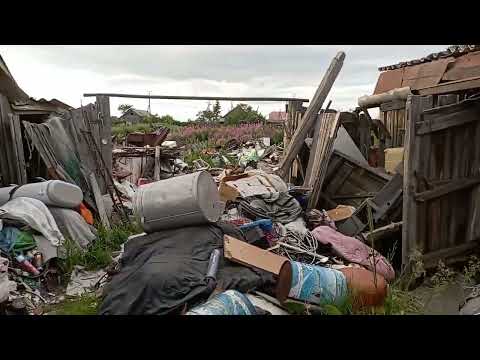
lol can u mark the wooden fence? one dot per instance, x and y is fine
(441, 212)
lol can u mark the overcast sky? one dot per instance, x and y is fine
(67, 72)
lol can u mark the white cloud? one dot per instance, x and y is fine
(66, 72)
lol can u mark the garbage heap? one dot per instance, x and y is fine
(39, 223)
(240, 244)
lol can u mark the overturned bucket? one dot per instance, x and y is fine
(317, 285)
(185, 200)
(230, 302)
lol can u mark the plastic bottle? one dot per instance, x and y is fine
(37, 260)
(27, 265)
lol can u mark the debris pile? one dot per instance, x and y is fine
(249, 227)
(36, 219)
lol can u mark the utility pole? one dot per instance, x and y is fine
(149, 110)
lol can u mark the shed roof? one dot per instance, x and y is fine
(141, 113)
(456, 63)
(454, 50)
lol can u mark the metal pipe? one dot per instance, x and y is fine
(175, 97)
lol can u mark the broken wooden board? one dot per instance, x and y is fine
(314, 107)
(99, 201)
(323, 150)
(252, 256)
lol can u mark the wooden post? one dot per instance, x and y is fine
(413, 115)
(16, 133)
(311, 114)
(156, 171)
(294, 107)
(105, 130)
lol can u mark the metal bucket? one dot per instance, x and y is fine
(180, 201)
(52, 192)
(317, 285)
(230, 302)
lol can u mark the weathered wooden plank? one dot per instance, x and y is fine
(455, 185)
(313, 150)
(340, 179)
(422, 171)
(99, 201)
(327, 145)
(310, 115)
(438, 122)
(105, 132)
(414, 108)
(431, 259)
(473, 231)
(392, 105)
(156, 170)
(382, 232)
(447, 99)
(451, 86)
(8, 168)
(16, 132)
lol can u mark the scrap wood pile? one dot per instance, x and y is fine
(238, 244)
(241, 240)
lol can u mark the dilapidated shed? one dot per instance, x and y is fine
(449, 76)
(431, 108)
(16, 106)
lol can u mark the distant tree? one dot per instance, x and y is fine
(209, 116)
(243, 113)
(216, 112)
(123, 108)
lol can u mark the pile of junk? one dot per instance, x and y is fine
(239, 244)
(39, 222)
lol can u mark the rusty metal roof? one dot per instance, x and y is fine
(454, 51)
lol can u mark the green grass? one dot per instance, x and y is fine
(97, 256)
(86, 304)
(99, 253)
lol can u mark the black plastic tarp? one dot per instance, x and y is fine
(163, 271)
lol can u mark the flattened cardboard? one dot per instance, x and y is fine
(246, 254)
(252, 256)
(243, 185)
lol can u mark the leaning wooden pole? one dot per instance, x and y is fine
(311, 114)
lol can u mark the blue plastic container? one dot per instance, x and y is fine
(264, 224)
(230, 302)
(317, 285)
